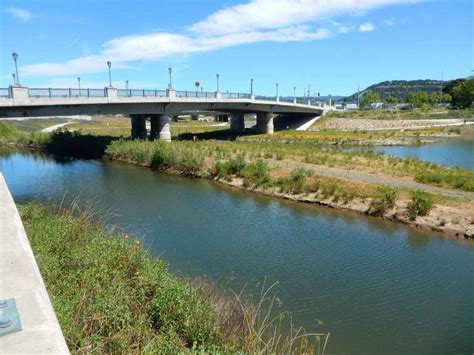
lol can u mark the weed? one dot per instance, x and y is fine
(420, 204)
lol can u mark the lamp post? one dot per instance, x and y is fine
(170, 72)
(14, 78)
(251, 86)
(217, 79)
(294, 92)
(79, 84)
(109, 64)
(126, 85)
(15, 59)
(276, 86)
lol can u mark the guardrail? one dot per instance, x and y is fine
(4, 92)
(196, 94)
(50, 92)
(235, 95)
(142, 93)
(69, 93)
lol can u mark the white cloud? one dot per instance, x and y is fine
(255, 21)
(366, 27)
(270, 14)
(389, 22)
(20, 14)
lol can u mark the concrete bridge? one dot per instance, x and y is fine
(157, 106)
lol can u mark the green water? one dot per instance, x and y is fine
(378, 287)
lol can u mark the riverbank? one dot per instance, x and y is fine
(449, 215)
(299, 170)
(140, 306)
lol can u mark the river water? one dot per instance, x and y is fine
(447, 151)
(377, 286)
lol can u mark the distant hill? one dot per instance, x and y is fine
(401, 88)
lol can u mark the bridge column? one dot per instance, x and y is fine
(160, 127)
(237, 123)
(265, 123)
(138, 126)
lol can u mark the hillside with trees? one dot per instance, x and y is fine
(459, 92)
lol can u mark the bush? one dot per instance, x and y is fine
(255, 174)
(420, 204)
(387, 196)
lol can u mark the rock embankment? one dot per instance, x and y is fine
(364, 124)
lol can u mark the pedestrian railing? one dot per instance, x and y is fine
(235, 95)
(4, 92)
(286, 99)
(70, 93)
(141, 93)
(50, 92)
(265, 98)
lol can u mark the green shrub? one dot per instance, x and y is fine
(420, 204)
(255, 174)
(387, 196)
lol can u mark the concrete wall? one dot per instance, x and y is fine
(20, 279)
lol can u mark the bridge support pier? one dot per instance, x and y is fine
(237, 123)
(138, 126)
(265, 123)
(160, 127)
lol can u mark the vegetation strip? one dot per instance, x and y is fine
(110, 296)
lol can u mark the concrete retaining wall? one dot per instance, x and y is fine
(20, 279)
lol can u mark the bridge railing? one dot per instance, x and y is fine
(141, 93)
(50, 92)
(235, 95)
(4, 92)
(286, 99)
(265, 98)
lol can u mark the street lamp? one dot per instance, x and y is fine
(15, 58)
(109, 64)
(79, 84)
(276, 85)
(170, 71)
(251, 86)
(126, 85)
(294, 92)
(14, 78)
(217, 79)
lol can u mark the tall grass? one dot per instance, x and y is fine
(110, 296)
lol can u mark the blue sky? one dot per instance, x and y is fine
(330, 45)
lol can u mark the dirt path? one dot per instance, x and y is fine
(55, 127)
(371, 178)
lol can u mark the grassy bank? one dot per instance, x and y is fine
(412, 114)
(111, 296)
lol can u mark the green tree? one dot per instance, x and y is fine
(434, 98)
(391, 100)
(418, 99)
(463, 93)
(446, 98)
(369, 98)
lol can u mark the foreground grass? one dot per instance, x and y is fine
(110, 296)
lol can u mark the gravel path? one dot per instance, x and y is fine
(55, 127)
(371, 178)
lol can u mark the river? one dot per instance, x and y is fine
(378, 287)
(452, 152)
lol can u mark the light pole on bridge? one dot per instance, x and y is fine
(294, 92)
(15, 59)
(217, 79)
(170, 85)
(79, 84)
(251, 86)
(276, 86)
(14, 78)
(109, 64)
